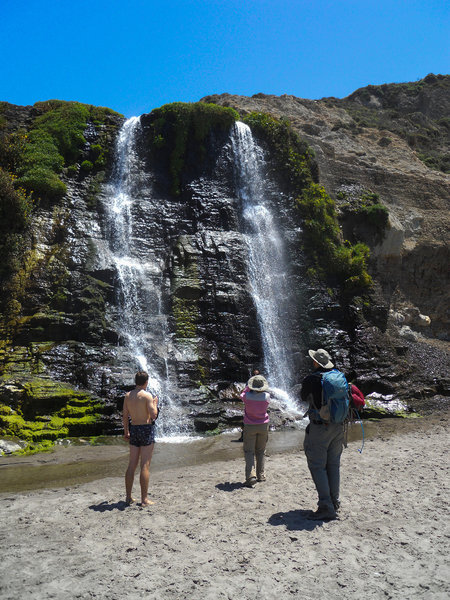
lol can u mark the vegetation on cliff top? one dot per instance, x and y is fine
(291, 155)
(179, 132)
(54, 141)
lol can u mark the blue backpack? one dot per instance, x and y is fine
(335, 398)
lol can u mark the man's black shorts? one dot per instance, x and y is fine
(142, 435)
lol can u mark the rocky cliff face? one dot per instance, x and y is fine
(361, 144)
(63, 317)
(54, 336)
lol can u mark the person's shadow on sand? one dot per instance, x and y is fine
(230, 487)
(294, 520)
(104, 506)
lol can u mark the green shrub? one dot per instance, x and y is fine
(41, 150)
(44, 182)
(322, 240)
(320, 226)
(367, 209)
(385, 141)
(15, 205)
(349, 264)
(86, 165)
(12, 147)
(377, 215)
(97, 156)
(100, 163)
(72, 170)
(95, 151)
(65, 124)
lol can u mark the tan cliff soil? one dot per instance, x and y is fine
(208, 537)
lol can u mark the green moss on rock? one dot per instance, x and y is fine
(35, 447)
(375, 410)
(48, 410)
(185, 312)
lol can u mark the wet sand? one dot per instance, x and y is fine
(207, 536)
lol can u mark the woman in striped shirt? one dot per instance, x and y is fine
(256, 428)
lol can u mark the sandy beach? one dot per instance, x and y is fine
(208, 537)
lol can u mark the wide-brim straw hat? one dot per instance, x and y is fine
(258, 383)
(321, 357)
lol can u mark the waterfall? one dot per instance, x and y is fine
(267, 265)
(142, 324)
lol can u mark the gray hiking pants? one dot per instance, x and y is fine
(323, 448)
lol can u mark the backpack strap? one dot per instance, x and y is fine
(313, 412)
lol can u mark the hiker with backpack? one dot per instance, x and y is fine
(326, 392)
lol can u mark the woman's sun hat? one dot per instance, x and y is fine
(321, 357)
(258, 383)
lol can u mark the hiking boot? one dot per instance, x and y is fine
(323, 514)
(250, 482)
(262, 478)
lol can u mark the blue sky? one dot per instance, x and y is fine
(136, 55)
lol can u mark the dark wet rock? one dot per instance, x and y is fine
(205, 423)
(233, 416)
(231, 392)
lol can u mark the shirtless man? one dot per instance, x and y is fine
(142, 408)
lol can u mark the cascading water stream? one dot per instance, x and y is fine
(120, 229)
(267, 267)
(142, 324)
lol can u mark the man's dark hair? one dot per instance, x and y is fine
(141, 378)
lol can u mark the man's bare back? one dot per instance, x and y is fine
(140, 406)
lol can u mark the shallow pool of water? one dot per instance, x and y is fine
(74, 464)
